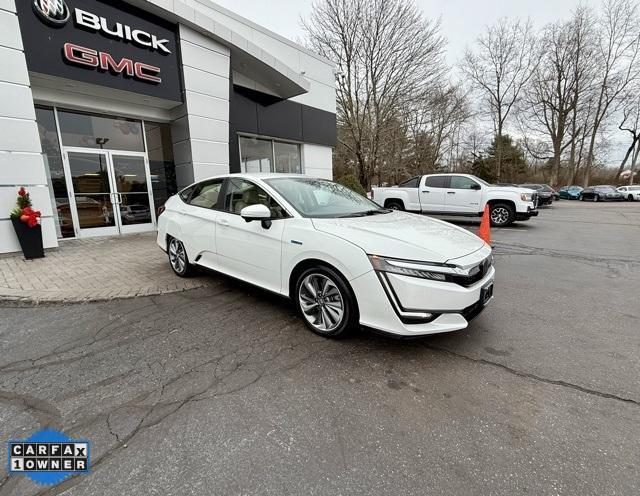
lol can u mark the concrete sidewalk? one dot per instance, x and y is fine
(92, 270)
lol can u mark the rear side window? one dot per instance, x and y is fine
(206, 193)
(411, 183)
(437, 181)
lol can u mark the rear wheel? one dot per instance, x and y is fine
(178, 258)
(325, 302)
(502, 215)
(395, 205)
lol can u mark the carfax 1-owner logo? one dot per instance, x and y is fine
(48, 457)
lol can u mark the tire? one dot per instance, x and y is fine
(502, 215)
(178, 259)
(395, 205)
(325, 302)
(631, 198)
(596, 198)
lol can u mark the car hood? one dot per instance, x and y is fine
(404, 236)
(513, 189)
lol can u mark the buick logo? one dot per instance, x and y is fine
(54, 12)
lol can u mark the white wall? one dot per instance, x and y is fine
(201, 134)
(317, 70)
(21, 161)
(318, 161)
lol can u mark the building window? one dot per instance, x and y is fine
(287, 157)
(263, 155)
(55, 172)
(161, 163)
(95, 131)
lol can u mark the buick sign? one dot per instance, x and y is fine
(54, 12)
(102, 42)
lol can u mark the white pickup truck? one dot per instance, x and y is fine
(459, 194)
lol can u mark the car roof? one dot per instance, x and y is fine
(254, 175)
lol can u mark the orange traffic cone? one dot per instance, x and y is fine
(485, 226)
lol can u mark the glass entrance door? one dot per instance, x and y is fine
(110, 193)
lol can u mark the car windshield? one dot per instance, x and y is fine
(320, 198)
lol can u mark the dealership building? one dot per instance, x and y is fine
(109, 107)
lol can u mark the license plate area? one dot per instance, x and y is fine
(486, 293)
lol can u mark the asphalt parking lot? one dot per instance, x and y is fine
(222, 390)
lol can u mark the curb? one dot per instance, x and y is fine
(34, 300)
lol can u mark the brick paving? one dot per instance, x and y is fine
(91, 270)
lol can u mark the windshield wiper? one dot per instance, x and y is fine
(367, 213)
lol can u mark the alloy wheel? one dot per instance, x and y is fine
(499, 215)
(321, 302)
(177, 256)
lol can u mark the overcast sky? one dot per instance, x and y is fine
(462, 22)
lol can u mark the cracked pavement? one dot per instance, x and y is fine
(222, 390)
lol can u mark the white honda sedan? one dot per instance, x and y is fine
(341, 258)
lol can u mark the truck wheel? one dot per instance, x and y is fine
(395, 205)
(502, 214)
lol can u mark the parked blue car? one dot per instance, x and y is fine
(570, 192)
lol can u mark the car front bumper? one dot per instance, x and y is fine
(384, 300)
(527, 215)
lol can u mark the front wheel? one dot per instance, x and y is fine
(178, 258)
(325, 302)
(596, 198)
(502, 215)
(630, 198)
(395, 205)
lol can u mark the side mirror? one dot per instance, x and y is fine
(257, 212)
(476, 187)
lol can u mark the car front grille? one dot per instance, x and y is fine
(534, 198)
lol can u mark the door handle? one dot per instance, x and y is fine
(426, 191)
(223, 222)
(451, 192)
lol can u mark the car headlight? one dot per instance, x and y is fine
(526, 197)
(423, 270)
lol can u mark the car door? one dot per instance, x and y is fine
(198, 223)
(463, 195)
(432, 193)
(251, 251)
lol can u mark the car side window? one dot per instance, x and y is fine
(205, 194)
(436, 181)
(461, 182)
(410, 183)
(241, 193)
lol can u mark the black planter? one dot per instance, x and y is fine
(30, 239)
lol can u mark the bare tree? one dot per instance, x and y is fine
(550, 97)
(433, 126)
(386, 52)
(500, 67)
(631, 124)
(617, 52)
